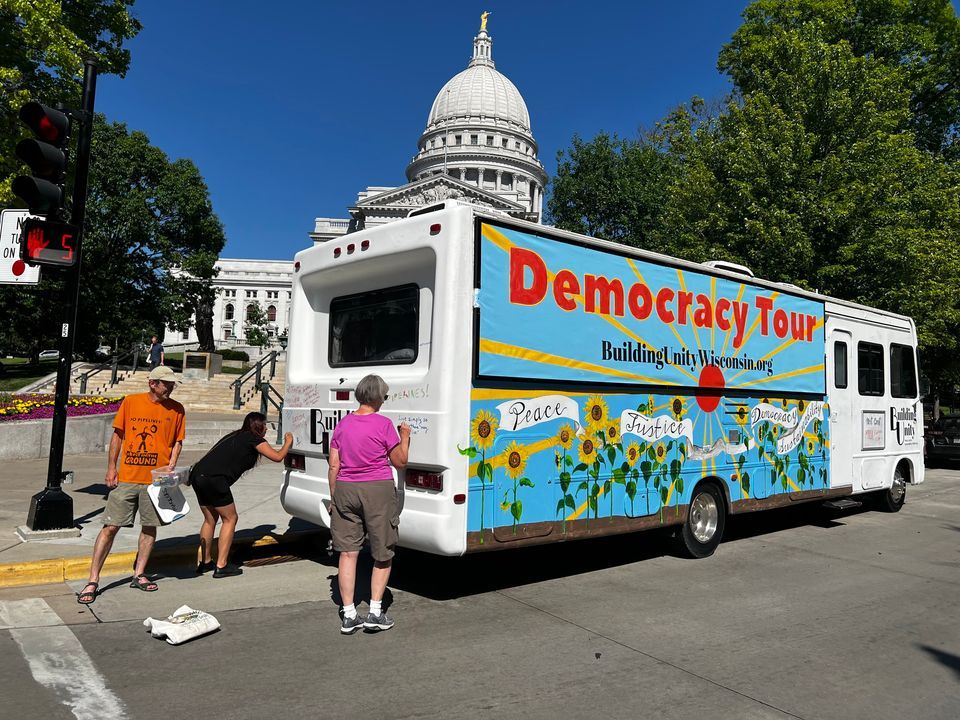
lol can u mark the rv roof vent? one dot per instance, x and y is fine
(729, 267)
(791, 286)
(427, 209)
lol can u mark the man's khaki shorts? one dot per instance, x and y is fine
(365, 508)
(124, 501)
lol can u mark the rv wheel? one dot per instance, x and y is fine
(706, 517)
(892, 500)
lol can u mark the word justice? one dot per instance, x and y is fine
(529, 285)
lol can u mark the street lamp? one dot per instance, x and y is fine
(282, 339)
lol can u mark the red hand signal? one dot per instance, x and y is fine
(36, 241)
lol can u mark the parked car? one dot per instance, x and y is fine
(49, 354)
(103, 352)
(943, 439)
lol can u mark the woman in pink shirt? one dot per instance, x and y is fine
(364, 446)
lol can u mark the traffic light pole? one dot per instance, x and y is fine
(52, 509)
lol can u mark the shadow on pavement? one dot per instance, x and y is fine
(944, 658)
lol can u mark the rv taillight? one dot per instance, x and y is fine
(343, 395)
(364, 245)
(336, 252)
(296, 266)
(350, 248)
(295, 462)
(459, 499)
(435, 229)
(424, 480)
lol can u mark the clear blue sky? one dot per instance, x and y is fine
(290, 108)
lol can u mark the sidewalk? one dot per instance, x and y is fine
(263, 522)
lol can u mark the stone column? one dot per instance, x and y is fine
(499, 180)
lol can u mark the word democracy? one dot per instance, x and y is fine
(607, 296)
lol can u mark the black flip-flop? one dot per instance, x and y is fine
(142, 582)
(92, 595)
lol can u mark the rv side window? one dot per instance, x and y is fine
(903, 376)
(870, 368)
(379, 327)
(840, 364)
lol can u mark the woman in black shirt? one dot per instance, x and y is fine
(212, 477)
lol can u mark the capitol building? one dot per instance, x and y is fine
(477, 147)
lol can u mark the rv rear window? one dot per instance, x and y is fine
(870, 368)
(903, 376)
(379, 327)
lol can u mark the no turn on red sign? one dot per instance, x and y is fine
(13, 270)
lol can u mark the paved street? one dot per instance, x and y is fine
(806, 613)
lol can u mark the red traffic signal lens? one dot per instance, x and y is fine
(46, 123)
(43, 242)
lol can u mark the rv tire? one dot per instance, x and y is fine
(706, 517)
(892, 500)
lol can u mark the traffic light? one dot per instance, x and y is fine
(46, 155)
(46, 242)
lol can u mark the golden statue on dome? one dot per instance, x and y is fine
(483, 20)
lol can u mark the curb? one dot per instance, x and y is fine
(65, 569)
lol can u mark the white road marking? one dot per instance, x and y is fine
(58, 661)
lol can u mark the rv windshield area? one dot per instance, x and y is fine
(379, 327)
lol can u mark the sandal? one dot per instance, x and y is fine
(142, 582)
(87, 598)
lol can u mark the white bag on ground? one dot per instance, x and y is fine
(185, 624)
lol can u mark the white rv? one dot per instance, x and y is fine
(559, 386)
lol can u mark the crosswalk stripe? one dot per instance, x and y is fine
(58, 661)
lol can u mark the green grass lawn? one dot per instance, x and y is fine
(17, 372)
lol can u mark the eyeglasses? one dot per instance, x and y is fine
(386, 397)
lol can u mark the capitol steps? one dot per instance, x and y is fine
(213, 395)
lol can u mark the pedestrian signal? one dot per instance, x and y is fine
(45, 242)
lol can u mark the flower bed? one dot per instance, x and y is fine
(38, 407)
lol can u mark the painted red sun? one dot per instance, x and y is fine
(710, 377)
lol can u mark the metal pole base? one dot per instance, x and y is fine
(50, 509)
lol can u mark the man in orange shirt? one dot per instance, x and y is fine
(148, 435)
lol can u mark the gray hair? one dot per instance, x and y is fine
(371, 390)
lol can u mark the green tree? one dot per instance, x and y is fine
(43, 45)
(255, 326)
(149, 249)
(610, 187)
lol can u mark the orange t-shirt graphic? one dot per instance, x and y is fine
(149, 432)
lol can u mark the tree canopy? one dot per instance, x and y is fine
(43, 45)
(149, 249)
(832, 165)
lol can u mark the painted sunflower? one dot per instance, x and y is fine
(811, 446)
(660, 451)
(483, 430)
(677, 406)
(613, 434)
(596, 412)
(633, 454)
(565, 436)
(742, 415)
(515, 460)
(587, 450)
(650, 405)
(800, 405)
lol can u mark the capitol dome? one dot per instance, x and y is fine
(478, 131)
(480, 91)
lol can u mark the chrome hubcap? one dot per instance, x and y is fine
(704, 515)
(899, 487)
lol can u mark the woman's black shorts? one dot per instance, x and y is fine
(213, 490)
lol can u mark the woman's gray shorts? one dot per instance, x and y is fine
(365, 508)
